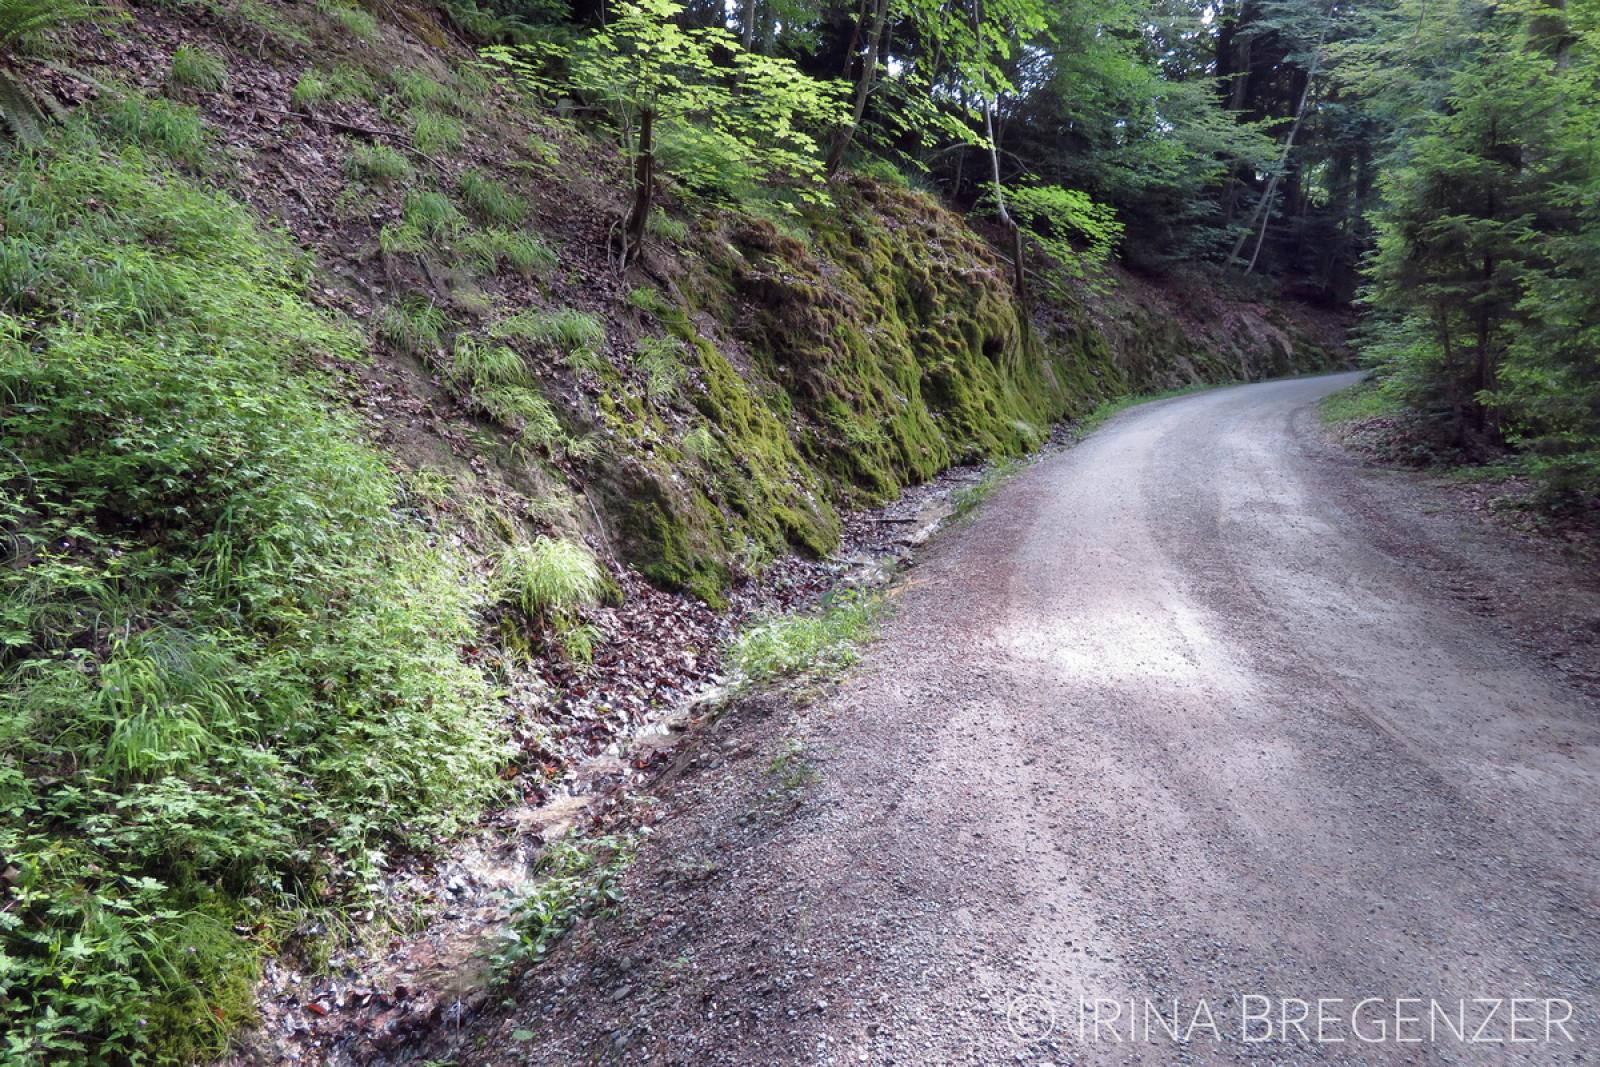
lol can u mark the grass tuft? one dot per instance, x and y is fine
(486, 367)
(378, 164)
(660, 360)
(517, 250)
(431, 214)
(310, 90)
(551, 578)
(701, 443)
(354, 21)
(435, 134)
(667, 228)
(815, 646)
(491, 201)
(418, 89)
(415, 325)
(197, 68)
(649, 301)
(567, 330)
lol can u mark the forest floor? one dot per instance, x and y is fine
(1202, 709)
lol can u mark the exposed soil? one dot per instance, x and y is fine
(1201, 708)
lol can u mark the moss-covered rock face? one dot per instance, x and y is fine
(833, 374)
(895, 342)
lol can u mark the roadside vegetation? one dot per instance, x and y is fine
(230, 681)
(813, 646)
(1364, 400)
(577, 879)
(967, 500)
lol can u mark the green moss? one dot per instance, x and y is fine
(907, 360)
(671, 535)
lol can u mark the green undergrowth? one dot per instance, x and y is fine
(1364, 400)
(811, 646)
(230, 670)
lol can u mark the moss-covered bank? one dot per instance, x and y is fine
(880, 351)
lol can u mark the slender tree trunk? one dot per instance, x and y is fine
(747, 30)
(855, 41)
(1486, 370)
(1019, 272)
(1019, 267)
(869, 74)
(644, 190)
(1263, 209)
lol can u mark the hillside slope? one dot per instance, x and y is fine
(338, 440)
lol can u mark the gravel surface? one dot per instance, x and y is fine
(1199, 710)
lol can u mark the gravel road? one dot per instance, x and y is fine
(1198, 717)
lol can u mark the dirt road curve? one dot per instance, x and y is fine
(1193, 714)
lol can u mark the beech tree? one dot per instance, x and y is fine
(654, 78)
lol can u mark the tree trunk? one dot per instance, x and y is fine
(644, 190)
(855, 41)
(1019, 272)
(1019, 267)
(747, 30)
(869, 74)
(1264, 205)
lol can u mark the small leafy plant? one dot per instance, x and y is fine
(577, 880)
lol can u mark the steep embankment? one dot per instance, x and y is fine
(309, 546)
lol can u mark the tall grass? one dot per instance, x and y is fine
(565, 329)
(197, 68)
(490, 201)
(230, 676)
(551, 578)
